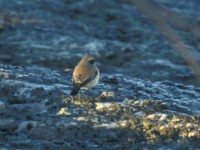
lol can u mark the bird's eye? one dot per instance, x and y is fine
(91, 61)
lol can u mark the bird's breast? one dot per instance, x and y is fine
(92, 83)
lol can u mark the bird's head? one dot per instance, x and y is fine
(88, 59)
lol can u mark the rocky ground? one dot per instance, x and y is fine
(147, 97)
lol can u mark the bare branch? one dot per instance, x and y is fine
(162, 17)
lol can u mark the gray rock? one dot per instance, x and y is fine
(8, 124)
(44, 133)
(141, 77)
(26, 126)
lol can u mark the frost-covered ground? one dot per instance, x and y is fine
(146, 98)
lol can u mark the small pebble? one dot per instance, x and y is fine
(103, 106)
(108, 94)
(26, 126)
(2, 105)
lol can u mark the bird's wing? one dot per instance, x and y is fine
(83, 80)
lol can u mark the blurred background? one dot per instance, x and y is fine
(155, 40)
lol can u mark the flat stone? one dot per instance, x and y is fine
(7, 124)
(45, 133)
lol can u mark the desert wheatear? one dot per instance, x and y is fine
(85, 75)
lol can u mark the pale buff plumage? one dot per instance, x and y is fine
(85, 75)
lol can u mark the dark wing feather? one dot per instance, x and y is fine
(75, 89)
(77, 86)
(88, 80)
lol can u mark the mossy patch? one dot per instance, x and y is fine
(147, 121)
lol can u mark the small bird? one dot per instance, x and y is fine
(85, 75)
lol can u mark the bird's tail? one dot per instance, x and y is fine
(75, 89)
